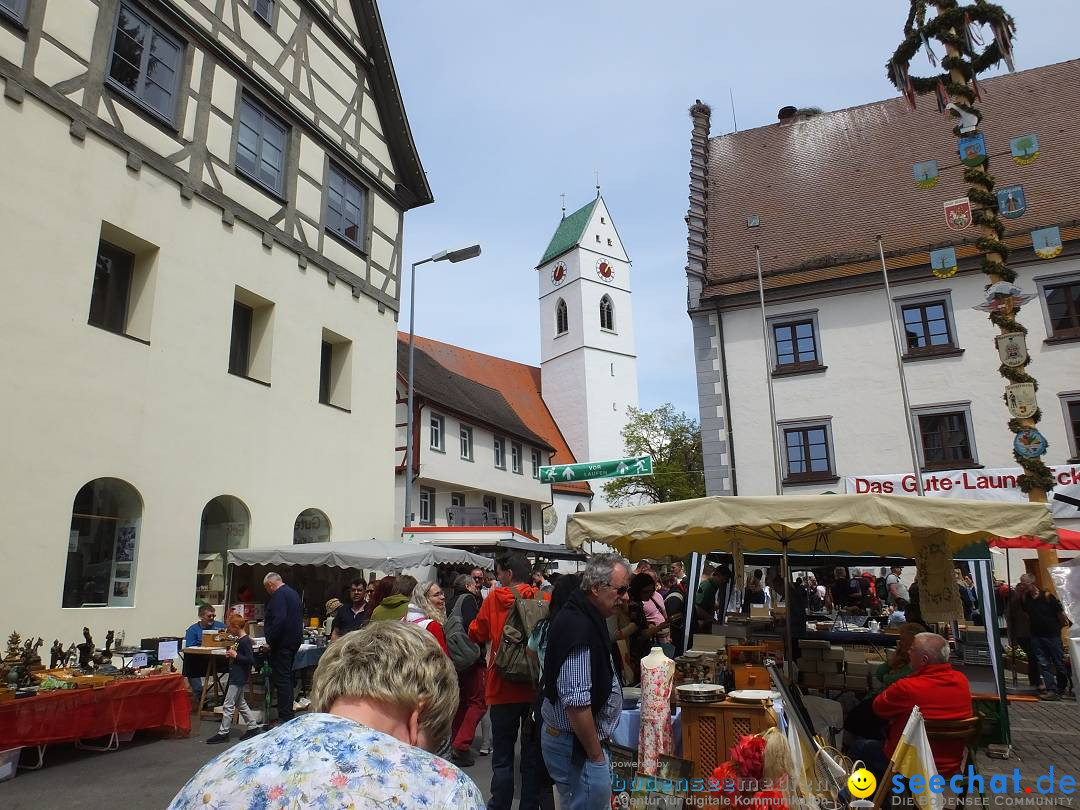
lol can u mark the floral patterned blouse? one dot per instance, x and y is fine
(329, 762)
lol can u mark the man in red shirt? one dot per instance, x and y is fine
(940, 692)
(511, 703)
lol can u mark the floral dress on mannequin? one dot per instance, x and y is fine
(654, 739)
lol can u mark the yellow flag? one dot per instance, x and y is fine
(913, 757)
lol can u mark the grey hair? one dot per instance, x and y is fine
(422, 602)
(273, 576)
(1027, 579)
(462, 582)
(937, 648)
(600, 568)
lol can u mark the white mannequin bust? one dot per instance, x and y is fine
(655, 658)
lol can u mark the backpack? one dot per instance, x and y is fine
(464, 652)
(512, 659)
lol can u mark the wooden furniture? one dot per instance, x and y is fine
(747, 665)
(710, 730)
(211, 681)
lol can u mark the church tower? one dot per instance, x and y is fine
(587, 359)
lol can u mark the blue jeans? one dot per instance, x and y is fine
(581, 787)
(1051, 659)
(506, 719)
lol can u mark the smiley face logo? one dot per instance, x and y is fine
(861, 783)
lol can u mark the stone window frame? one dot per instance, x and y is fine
(943, 297)
(1041, 283)
(791, 319)
(799, 479)
(939, 409)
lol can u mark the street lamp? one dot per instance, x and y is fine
(454, 256)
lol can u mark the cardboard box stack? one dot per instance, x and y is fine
(826, 666)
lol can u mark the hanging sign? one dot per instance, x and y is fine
(958, 213)
(1024, 149)
(972, 149)
(1012, 349)
(1011, 202)
(1020, 398)
(1029, 443)
(943, 262)
(1047, 242)
(925, 173)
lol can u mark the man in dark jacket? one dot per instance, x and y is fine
(582, 693)
(1046, 614)
(471, 703)
(284, 629)
(1019, 624)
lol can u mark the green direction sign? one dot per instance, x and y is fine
(618, 468)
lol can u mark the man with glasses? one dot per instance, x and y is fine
(582, 694)
(353, 615)
(195, 665)
(480, 578)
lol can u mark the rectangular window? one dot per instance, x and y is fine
(436, 432)
(526, 518)
(491, 507)
(536, 464)
(500, 454)
(1062, 300)
(250, 340)
(515, 457)
(457, 499)
(335, 370)
(264, 9)
(1070, 403)
(427, 506)
(926, 327)
(112, 288)
(945, 440)
(345, 207)
(795, 345)
(465, 434)
(260, 146)
(508, 513)
(807, 455)
(14, 9)
(145, 63)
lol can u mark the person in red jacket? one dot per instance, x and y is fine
(510, 703)
(940, 692)
(427, 610)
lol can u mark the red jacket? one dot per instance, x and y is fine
(488, 627)
(941, 693)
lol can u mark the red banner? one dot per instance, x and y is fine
(82, 714)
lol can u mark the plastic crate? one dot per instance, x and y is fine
(977, 655)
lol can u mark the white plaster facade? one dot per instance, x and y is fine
(153, 404)
(858, 394)
(589, 372)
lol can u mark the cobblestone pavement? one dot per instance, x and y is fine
(1045, 735)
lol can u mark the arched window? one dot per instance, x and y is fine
(311, 526)
(562, 322)
(607, 314)
(225, 525)
(103, 545)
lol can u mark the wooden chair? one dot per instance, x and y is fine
(967, 730)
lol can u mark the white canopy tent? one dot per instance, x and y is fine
(378, 555)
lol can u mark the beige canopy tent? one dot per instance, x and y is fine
(855, 524)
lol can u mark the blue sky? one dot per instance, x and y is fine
(513, 104)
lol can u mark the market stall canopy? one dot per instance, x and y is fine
(549, 551)
(380, 555)
(856, 524)
(1066, 541)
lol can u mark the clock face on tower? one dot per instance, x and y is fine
(605, 270)
(558, 274)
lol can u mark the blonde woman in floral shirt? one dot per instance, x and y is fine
(384, 697)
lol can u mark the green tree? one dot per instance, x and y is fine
(674, 442)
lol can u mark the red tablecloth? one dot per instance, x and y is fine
(81, 714)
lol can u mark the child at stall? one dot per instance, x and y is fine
(241, 657)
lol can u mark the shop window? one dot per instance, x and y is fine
(562, 321)
(145, 62)
(311, 526)
(225, 525)
(103, 545)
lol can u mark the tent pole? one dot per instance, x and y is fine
(1008, 627)
(789, 642)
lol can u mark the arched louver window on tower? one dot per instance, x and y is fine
(607, 314)
(562, 325)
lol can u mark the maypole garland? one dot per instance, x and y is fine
(956, 91)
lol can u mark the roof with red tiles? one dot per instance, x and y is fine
(824, 187)
(447, 373)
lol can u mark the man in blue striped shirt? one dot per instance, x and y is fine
(582, 693)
